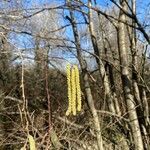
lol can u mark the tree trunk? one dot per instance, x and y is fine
(135, 79)
(86, 81)
(100, 64)
(131, 106)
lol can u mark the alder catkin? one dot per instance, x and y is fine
(68, 69)
(73, 90)
(78, 89)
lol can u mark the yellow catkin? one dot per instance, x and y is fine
(31, 142)
(68, 69)
(78, 89)
(73, 87)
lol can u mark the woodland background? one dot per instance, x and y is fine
(109, 41)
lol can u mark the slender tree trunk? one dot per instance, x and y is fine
(134, 62)
(101, 66)
(86, 82)
(146, 111)
(146, 128)
(135, 79)
(144, 98)
(131, 106)
(113, 89)
(109, 68)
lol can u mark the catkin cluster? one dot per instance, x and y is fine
(74, 90)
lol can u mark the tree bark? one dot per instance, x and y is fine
(101, 67)
(143, 119)
(131, 106)
(86, 81)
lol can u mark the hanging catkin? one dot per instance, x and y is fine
(69, 90)
(73, 85)
(74, 90)
(78, 89)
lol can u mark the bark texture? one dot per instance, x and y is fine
(126, 81)
(101, 67)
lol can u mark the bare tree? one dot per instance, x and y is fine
(126, 81)
(86, 80)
